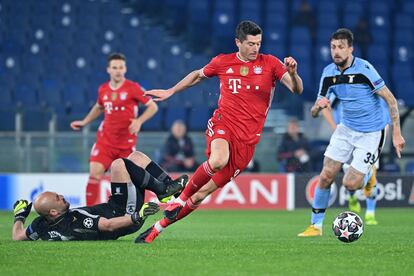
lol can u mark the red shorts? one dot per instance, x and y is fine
(240, 153)
(105, 154)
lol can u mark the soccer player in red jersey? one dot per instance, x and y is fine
(117, 134)
(247, 83)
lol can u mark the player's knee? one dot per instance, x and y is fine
(96, 174)
(219, 162)
(198, 197)
(117, 165)
(351, 185)
(325, 179)
(139, 158)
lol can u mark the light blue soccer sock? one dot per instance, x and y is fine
(320, 203)
(372, 202)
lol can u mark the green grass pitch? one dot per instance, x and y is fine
(225, 243)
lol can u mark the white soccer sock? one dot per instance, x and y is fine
(180, 201)
(158, 226)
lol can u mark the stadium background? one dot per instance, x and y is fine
(53, 58)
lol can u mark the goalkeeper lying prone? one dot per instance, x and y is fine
(125, 212)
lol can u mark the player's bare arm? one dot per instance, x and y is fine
(92, 115)
(19, 232)
(397, 139)
(136, 123)
(113, 224)
(327, 114)
(292, 80)
(191, 79)
(319, 104)
(138, 217)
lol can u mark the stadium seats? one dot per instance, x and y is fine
(198, 117)
(36, 119)
(155, 123)
(273, 7)
(301, 36)
(404, 21)
(55, 52)
(173, 113)
(251, 10)
(401, 72)
(7, 118)
(391, 168)
(68, 162)
(73, 93)
(25, 96)
(50, 92)
(408, 7)
(409, 167)
(327, 7)
(328, 20)
(404, 91)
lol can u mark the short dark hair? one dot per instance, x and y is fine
(343, 33)
(246, 28)
(116, 56)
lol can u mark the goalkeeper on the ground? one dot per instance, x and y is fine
(125, 212)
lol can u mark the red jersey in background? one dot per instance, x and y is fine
(120, 106)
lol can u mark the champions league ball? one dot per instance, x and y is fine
(348, 227)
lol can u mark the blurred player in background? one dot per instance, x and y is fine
(125, 212)
(360, 136)
(117, 134)
(333, 115)
(247, 83)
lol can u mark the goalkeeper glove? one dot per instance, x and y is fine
(147, 209)
(21, 210)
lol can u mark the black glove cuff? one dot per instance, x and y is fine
(136, 219)
(22, 219)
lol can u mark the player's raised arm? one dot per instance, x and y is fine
(397, 139)
(94, 113)
(190, 80)
(327, 114)
(136, 123)
(21, 212)
(292, 80)
(319, 104)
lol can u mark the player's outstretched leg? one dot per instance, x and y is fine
(370, 192)
(371, 204)
(173, 188)
(200, 177)
(149, 235)
(144, 180)
(320, 203)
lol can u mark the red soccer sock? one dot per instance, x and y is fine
(200, 177)
(187, 209)
(92, 191)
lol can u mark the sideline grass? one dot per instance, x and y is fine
(225, 243)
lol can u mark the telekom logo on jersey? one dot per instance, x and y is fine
(108, 107)
(235, 84)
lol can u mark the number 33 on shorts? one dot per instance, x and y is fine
(370, 158)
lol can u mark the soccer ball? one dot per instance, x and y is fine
(348, 227)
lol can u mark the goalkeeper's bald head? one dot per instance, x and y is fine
(51, 205)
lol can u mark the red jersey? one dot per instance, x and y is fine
(246, 92)
(120, 106)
